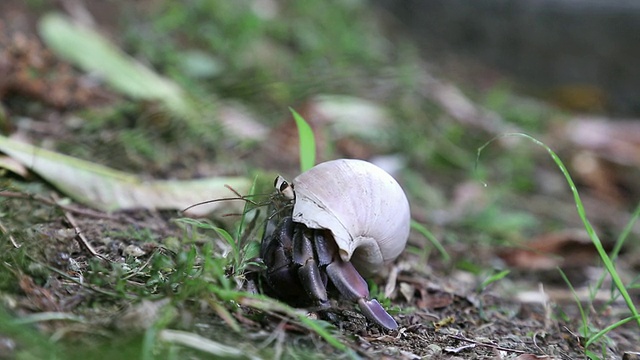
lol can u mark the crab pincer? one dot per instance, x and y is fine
(354, 288)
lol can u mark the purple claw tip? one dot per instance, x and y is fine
(374, 311)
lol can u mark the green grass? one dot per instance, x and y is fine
(432, 239)
(307, 142)
(607, 260)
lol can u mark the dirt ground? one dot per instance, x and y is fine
(76, 281)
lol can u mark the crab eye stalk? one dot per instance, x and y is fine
(284, 187)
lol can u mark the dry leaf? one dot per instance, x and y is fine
(433, 298)
(195, 341)
(351, 116)
(93, 52)
(615, 140)
(14, 166)
(241, 123)
(407, 291)
(569, 248)
(107, 189)
(607, 157)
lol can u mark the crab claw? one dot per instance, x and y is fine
(353, 287)
(374, 311)
(308, 272)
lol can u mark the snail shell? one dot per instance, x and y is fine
(364, 207)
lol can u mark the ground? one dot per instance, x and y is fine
(499, 262)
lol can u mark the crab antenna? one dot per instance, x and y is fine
(234, 190)
(216, 200)
(239, 197)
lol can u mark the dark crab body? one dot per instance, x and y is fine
(300, 261)
(308, 246)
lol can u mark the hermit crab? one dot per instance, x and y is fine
(344, 218)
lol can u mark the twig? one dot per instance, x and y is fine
(82, 240)
(13, 241)
(493, 346)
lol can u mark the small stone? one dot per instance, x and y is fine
(434, 349)
(134, 250)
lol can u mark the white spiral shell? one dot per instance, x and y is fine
(364, 207)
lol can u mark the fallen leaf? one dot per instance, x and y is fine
(107, 189)
(599, 175)
(616, 140)
(569, 248)
(606, 156)
(14, 166)
(92, 52)
(432, 298)
(195, 341)
(283, 147)
(455, 103)
(351, 116)
(238, 121)
(469, 198)
(407, 291)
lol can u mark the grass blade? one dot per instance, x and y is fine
(583, 314)
(604, 331)
(606, 260)
(307, 142)
(493, 278)
(434, 241)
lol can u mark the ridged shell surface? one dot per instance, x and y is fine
(364, 207)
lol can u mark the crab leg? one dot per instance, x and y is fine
(276, 251)
(308, 272)
(353, 287)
